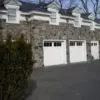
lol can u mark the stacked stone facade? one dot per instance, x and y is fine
(36, 31)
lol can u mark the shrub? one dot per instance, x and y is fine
(15, 68)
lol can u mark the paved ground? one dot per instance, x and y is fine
(70, 82)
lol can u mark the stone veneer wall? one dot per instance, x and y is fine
(41, 30)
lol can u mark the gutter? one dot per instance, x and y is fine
(35, 12)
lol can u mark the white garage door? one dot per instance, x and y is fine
(95, 49)
(54, 52)
(77, 49)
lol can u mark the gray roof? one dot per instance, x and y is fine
(67, 12)
(85, 15)
(27, 7)
(97, 21)
(64, 12)
(2, 7)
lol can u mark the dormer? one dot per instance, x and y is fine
(13, 13)
(91, 16)
(53, 8)
(92, 26)
(77, 13)
(2, 11)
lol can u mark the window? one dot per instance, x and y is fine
(79, 43)
(53, 17)
(95, 44)
(11, 14)
(57, 44)
(2, 21)
(53, 14)
(77, 22)
(91, 44)
(47, 44)
(72, 43)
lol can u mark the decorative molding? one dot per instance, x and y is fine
(17, 14)
(92, 26)
(76, 20)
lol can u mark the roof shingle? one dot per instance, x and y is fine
(27, 7)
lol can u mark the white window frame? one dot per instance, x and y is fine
(78, 21)
(12, 15)
(17, 16)
(54, 16)
(92, 26)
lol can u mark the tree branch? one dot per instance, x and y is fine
(85, 5)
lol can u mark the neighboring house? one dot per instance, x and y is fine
(58, 36)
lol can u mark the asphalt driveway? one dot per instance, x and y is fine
(66, 82)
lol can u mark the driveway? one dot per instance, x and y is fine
(66, 82)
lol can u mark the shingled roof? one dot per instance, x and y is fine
(2, 7)
(97, 21)
(27, 7)
(67, 12)
(85, 15)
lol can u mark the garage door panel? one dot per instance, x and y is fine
(47, 55)
(77, 51)
(95, 49)
(55, 54)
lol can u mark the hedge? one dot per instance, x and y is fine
(15, 67)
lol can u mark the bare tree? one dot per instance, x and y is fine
(96, 6)
(85, 5)
(68, 3)
(41, 1)
(1, 4)
(71, 3)
(61, 3)
(45, 1)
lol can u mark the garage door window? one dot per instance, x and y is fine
(57, 44)
(47, 44)
(72, 43)
(79, 43)
(93, 44)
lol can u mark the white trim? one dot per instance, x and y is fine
(78, 40)
(73, 52)
(62, 16)
(56, 19)
(61, 58)
(11, 6)
(17, 20)
(77, 21)
(53, 40)
(95, 49)
(45, 16)
(52, 10)
(35, 12)
(4, 11)
(36, 17)
(92, 26)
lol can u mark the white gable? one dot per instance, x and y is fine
(77, 10)
(54, 5)
(12, 2)
(91, 16)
